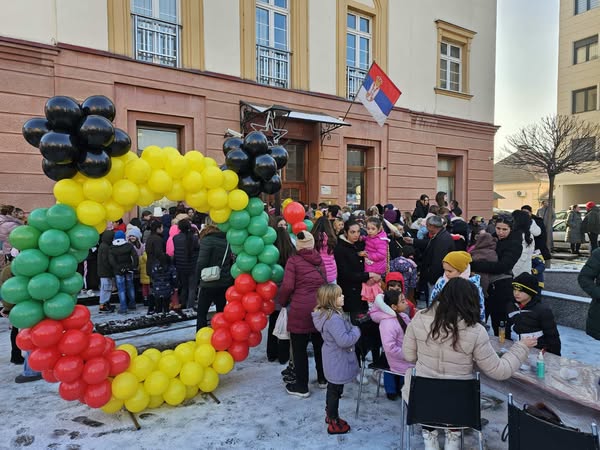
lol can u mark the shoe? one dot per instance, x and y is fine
(106, 308)
(452, 440)
(375, 376)
(430, 440)
(287, 371)
(271, 358)
(23, 379)
(337, 426)
(294, 389)
(122, 311)
(150, 311)
(392, 397)
(322, 384)
(131, 306)
(289, 379)
(18, 360)
(327, 419)
(365, 379)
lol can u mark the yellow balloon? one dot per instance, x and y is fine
(212, 177)
(141, 366)
(156, 383)
(192, 182)
(79, 177)
(129, 349)
(191, 391)
(100, 227)
(117, 170)
(175, 393)
(177, 192)
(170, 365)
(237, 200)
(125, 192)
(185, 351)
(210, 162)
(124, 385)
(113, 405)
(160, 181)
(90, 213)
(156, 401)
(138, 171)
(217, 198)
(146, 195)
(195, 160)
(204, 335)
(191, 373)
(114, 211)
(155, 156)
(171, 151)
(69, 192)
(220, 215)
(129, 156)
(286, 202)
(139, 401)
(230, 180)
(153, 354)
(176, 166)
(205, 354)
(210, 380)
(223, 363)
(168, 351)
(97, 189)
(198, 200)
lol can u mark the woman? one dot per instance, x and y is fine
(522, 223)
(155, 245)
(304, 275)
(574, 230)
(325, 242)
(185, 245)
(441, 198)
(446, 340)
(508, 249)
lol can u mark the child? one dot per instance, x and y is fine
(339, 359)
(164, 281)
(456, 264)
(123, 260)
(531, 316)
(376, 257)
(407, 266)
(134, 237)
(105, 272)
(392, 327)
(394, 281)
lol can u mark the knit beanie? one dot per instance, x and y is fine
(589, 205)
(119, 235)
(459, 260)
(305, 240)
(527, 283)
(132, 230)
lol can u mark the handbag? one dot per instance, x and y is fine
(280, 329)
(213, 273)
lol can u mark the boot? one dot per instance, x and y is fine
(452, 440)
(430, 440)
(337, 426)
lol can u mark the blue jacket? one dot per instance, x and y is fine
(475, 279)
(164, 280)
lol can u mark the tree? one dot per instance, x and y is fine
(557, 144)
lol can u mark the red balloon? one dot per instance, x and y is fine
(48, 375)
(240, 331)
(267, 290)
(68, 368)
(88, 328)
(298, 227)
(109, 345)
(97, 395)
(47, 333)
(232, 295)
(43, 358)
(73, 342)
(95, 370)
(95, 347)
(244, 283)
(254, 339)
(219, 321)
(78, 318)
(233, 312)
(72, 390)
(294, 212)
(239, 351)
(257, 321)
(24, 341)
(252, 302)
(221, 339)
(119, 362)
(268, 307)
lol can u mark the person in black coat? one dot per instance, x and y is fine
(421, 207)
(155, 245)
(540, 240)
(105, 271)
(589, 280)
(185, 257)
(123, 260)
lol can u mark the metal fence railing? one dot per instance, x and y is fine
(156, 41)
(354, 79)
(272, 66)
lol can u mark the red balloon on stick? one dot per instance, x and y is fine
(268, 307)
(244, 283)
(233, 312)
(24, 341)
(294, 212)
(240, 331)
(73, 342)
(219, 321)
(97, 395)
(48, 375)
(252, 302)
(239, 351)
(47, 333)
(78, 318)
(72, 390)
(41, 359)
(95, 370)
(254, 339)
(257, 321)
(232, 295)
(221, 339)
(68, 368)
(267, 290)
(119, 362)
(298, 227)
(95, 347)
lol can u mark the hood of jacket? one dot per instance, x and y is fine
(319, 318)
(378, 314)
(119, 242)
(485, 241)
(107, 237)
(311, 256)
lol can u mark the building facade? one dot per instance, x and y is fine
(183, 72)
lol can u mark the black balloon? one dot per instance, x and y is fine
(250, 186)
(121, 145)
(63, 113)
(96, 132)
(99, 105)
(232, 143)
(273, 186)
(255, 143)
(59, 147)
(238, 161)
(94, 164)
(264, 167)
(280, 155)
(58, 172)
(34, 129)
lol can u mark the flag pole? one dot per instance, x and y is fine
(354, 98)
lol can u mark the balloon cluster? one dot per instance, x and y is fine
(77, 138)
(255, 162)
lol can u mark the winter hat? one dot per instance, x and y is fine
(305, 240)
(589, 205)
(132, 230)
(394, 276)
(459, 260)
(390, 215)
(119, 235)
(527, 283)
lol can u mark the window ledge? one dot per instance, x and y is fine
(455, 94)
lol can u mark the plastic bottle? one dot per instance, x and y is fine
(541, 366)
(501, 333)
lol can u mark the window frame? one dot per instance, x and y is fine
(359, 34)
(362, 205)
(449, 59)
(272, 9)
(588, 6)
(585, 43)
(585, 101)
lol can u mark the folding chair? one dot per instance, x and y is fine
(444, 403)
(526, 431)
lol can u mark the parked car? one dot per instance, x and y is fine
(559, 234)
(563, 214)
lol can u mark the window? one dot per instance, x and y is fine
(272, 37)
(454, 44)
(446, 176)
(585, 99)
(450, 67)
(358, 51)
(582, 6)
(156, 31)
(585, 50)
(355, 178)
(585, 148)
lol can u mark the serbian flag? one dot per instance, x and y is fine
(378, 93)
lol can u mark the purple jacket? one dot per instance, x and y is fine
(301, 280)
(340, 364)
(392, 337)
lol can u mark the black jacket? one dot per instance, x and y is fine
(434, 251)
(351, 273)
(508, 250)
(104, 268)
(536, 316)
(212, 250)
(122, 258)
(164, 280)
(185, 258)
(421, 210)
(155, 246)
(589, 280)
(540, 241)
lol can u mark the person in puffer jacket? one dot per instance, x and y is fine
(123, 260)
(325, 242)
(164, 282)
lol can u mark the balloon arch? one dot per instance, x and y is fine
(98, 179)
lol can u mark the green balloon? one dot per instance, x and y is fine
(276, 273)
(270, 236)
(235, 271)
(24, 237)
(270, 255)
(14, 290)
(37, 219)
(79, 255)
(245, 262)
(236, 237)
(224, 227)
(309, 224)
(26, 314)
(83, 237)
(254, 245)
(43, 286)
(54, 242)
(237, 249)
(265, 216)
(59, 306)
(72, 285)
(289, 228)
(239, 219)
(255, 206)
(261, 273)
(30, 262)
(61, 217)
(258, 226)
(63, 266)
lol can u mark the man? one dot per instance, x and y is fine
(538, 231)
(332, 212)
(544, 213)
(421, 207)
(591, 224)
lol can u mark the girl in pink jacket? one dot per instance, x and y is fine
(376, 257)
(325, 242)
